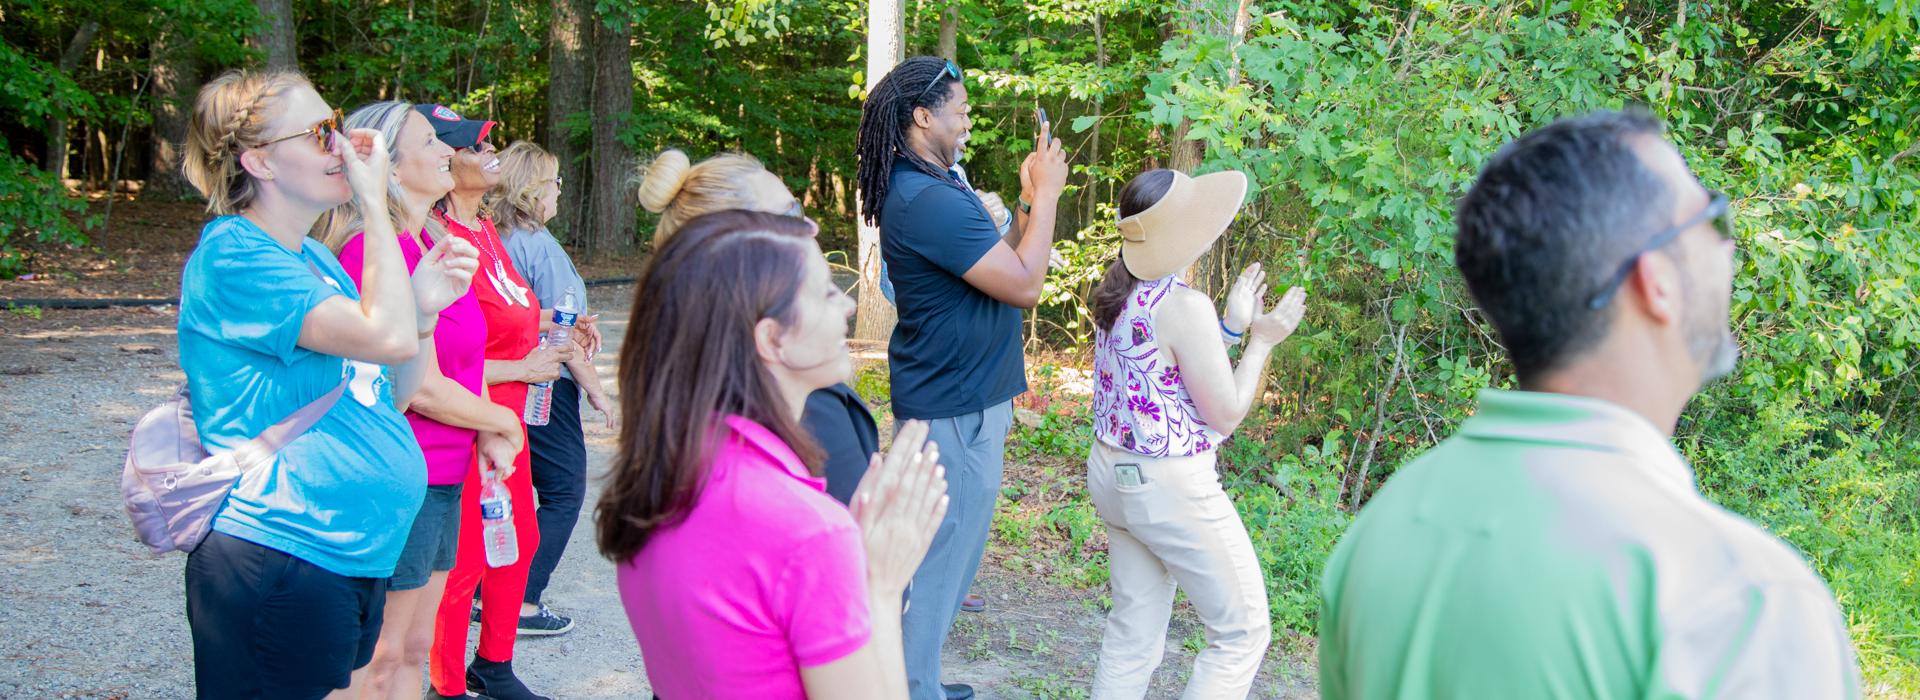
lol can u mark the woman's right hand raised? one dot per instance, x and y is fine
(1243, 299)
(899, 505)
(1275, 325)
(364, 158)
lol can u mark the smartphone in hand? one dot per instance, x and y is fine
(1046, 126)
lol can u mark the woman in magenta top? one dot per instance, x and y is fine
(450, 412)
(741, 577)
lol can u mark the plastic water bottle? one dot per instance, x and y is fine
(540, 396)
(496, 522)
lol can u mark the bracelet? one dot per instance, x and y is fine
(1230, 333)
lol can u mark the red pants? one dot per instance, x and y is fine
(500, 589)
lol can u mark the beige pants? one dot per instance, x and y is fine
(1176, 528)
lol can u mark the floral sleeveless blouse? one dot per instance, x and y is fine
(1140, 403)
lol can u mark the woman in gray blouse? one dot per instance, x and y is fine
(526, 198)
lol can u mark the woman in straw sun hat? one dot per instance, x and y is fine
(1165, 396)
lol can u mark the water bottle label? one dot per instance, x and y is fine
(493, 510)
(564, 318)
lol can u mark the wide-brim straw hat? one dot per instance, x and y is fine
(1185, 222)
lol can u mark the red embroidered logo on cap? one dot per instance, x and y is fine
(442, 112)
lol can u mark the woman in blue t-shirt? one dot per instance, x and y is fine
(286, 593)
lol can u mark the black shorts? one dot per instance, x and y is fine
(269, 624)
(433, 541)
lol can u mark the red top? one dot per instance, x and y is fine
(513, 318)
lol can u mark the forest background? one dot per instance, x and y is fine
(1359, 122)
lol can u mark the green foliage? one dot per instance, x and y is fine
(29, 311)
(33, 206)
(109, 92)
(1363, 122)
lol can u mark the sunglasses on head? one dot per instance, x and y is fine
(951, 69)
(322, 132)
(1719, 210)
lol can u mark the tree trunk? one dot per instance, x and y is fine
(886, 46)
(1091, 194)
(57, 136)
(176, 80)
(569, 85)
(1209, 274)
(949, 33)
(276, 35)
(612, 202)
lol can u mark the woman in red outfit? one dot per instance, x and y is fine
(514, 358)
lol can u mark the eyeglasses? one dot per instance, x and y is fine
(796, 211)
(1719, 210)
(322, 132)
(951, 69)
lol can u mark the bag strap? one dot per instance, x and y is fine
(276, 436)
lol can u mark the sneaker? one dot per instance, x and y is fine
(544, 623)
(973, 603)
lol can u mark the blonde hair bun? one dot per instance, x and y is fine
(663, 180)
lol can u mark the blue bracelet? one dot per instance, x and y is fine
(1229, 331)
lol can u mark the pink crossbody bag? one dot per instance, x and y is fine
(173, 486)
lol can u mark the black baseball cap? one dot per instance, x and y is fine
(454, 130)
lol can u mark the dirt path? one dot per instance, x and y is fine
(89, 614)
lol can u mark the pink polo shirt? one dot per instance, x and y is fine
(458, 340)
(766, 575)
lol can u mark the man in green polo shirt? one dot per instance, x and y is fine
(1557, 547)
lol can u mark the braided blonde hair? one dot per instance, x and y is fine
(678, 190)
(229, 117)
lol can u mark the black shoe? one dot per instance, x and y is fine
(957, 691)
(544, 623)
(494, 680)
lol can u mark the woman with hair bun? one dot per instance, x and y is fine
(679, 190)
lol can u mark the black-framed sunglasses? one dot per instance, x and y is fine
(951, 69)
(322, 132)
(1719, 210)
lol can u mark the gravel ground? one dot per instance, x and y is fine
(89, 613)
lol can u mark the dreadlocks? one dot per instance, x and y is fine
(886, 116)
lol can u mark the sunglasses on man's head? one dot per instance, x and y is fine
(951, 69)
(322, 132)
(1719, 210)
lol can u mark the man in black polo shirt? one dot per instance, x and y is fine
(959, 285)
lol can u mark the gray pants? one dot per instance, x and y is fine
(973, 449)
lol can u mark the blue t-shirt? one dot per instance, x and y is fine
(343, 494)
(955, 350)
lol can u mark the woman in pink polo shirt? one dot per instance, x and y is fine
(741, 577)
(449, 413)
